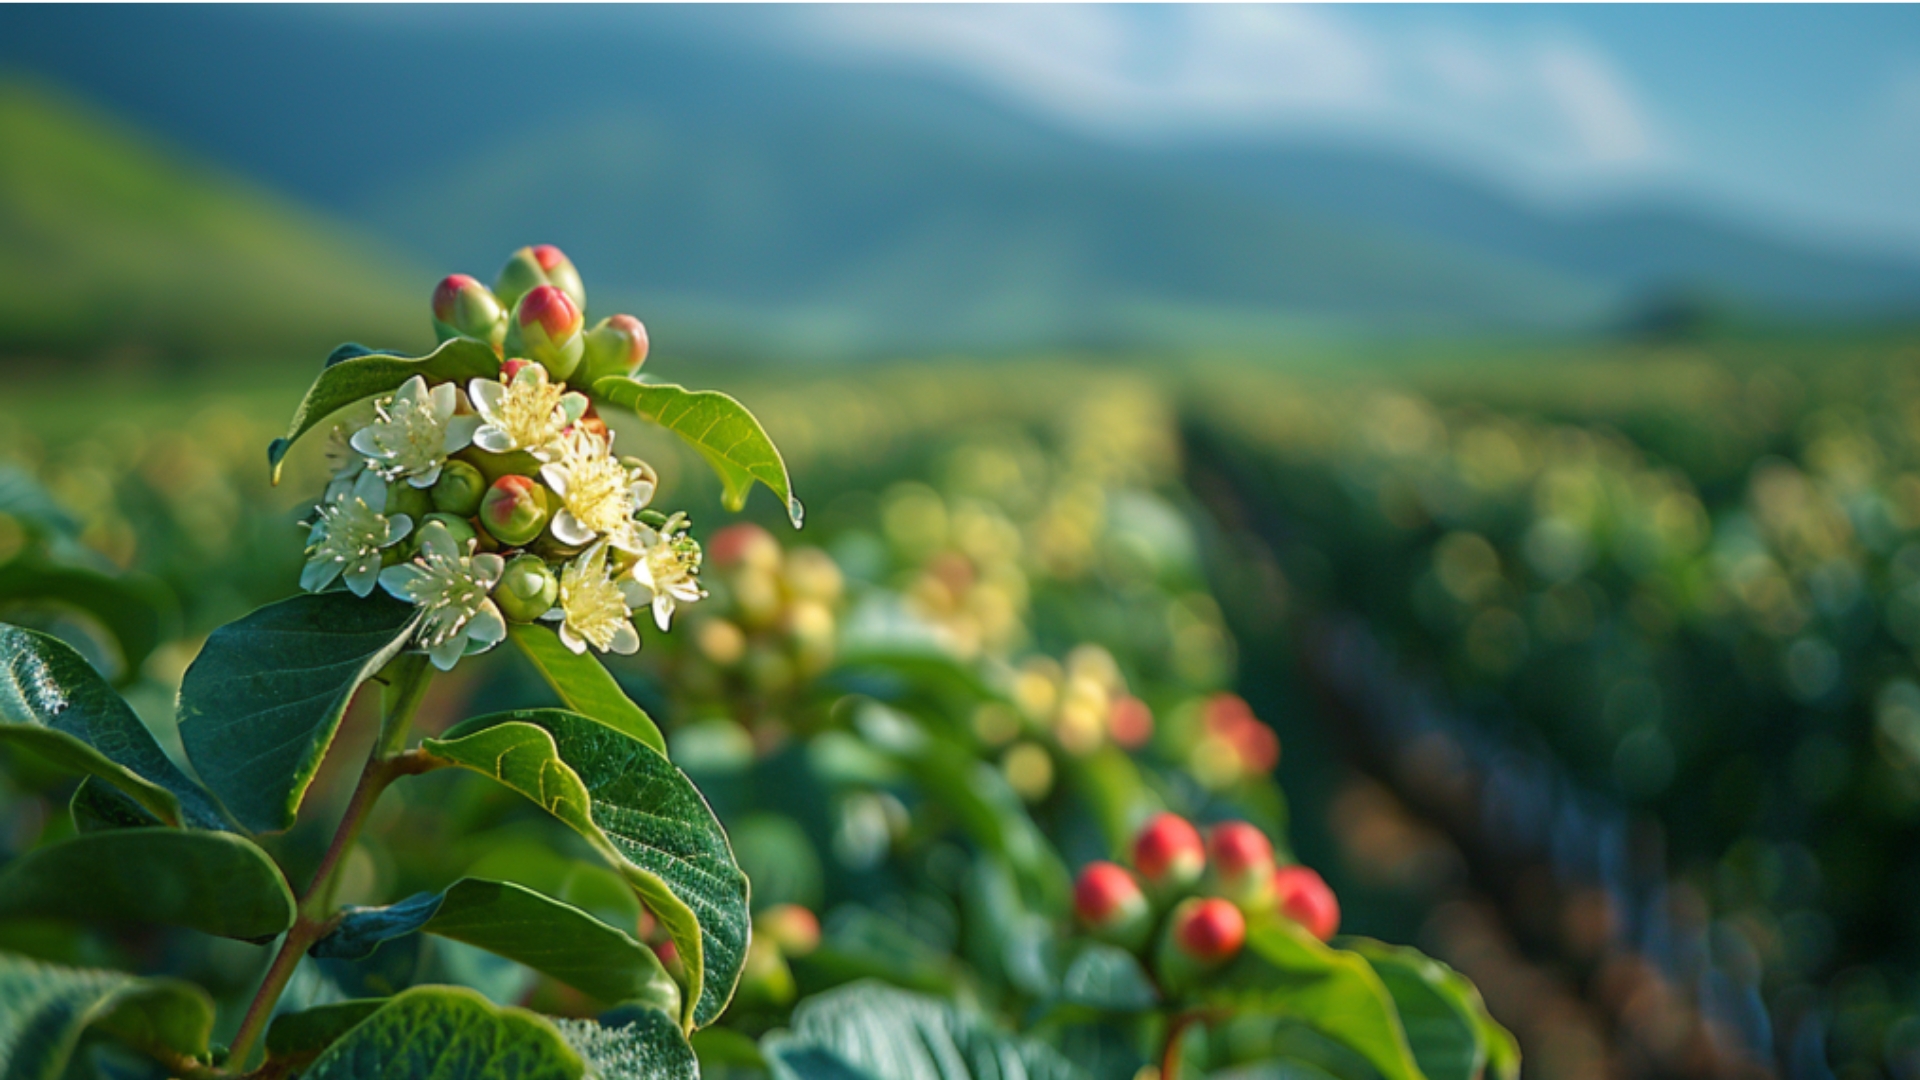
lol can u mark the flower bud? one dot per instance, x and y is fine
(1111, 906)
(617, 346)
(1241, 858)
(404, 498)
(546, 329)
(462, 307)
(457, 527)
(1208, 929)
(790, 926)
(1168, 854)
(527, 589)
(514, 510)
(531, 267)
(1302, 895)
(459, 489)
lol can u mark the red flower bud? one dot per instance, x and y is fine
(532, 267)
(1109, 902)
(513, 367)
(546, 329)
(1168, 853)
(618, 346)
(462, 307)
(1130, 722)
(1302, 895)
(514, 510)
(1241, 858)
(1208, 929)
(790, 926)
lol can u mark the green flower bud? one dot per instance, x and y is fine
(459, 489)
(618, 346)
(527, 589)
(462, 307)
(546, 328)
(515, 510)
(494, 466)
(404, 498)
(458, 527)
(531, 267)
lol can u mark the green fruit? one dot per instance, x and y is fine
(527, 589)
(404, 498)
(515, 510)
(459, 489)
(458, 527)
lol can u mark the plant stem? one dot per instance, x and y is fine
(406, 681)
(1170, 1055)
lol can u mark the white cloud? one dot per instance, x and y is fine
(1556, 105)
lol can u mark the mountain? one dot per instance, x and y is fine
(735, 192)
(110, 244)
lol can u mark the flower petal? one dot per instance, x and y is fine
(626, 640)
(492, 439)
(486, 396)
(447, 653)
(487, 627)
(363, 577)
(319, 574)
(460, 431)
(568, 530)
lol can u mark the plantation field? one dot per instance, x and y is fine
(1592, 665)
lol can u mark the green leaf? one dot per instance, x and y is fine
(642, 815)
(361, 375)
(632, 1044)
(448, 1033)
(218, 883)
(874, 1030)
(1447, 1023)
(259, 706)
(296, 1038)
(1284, 969)
(585, 685)
(720, 428)
(45, 1009)
(520, 924)
(54, 702)
(137, 611)
(1108, 979)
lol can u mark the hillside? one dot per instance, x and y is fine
(112, 246)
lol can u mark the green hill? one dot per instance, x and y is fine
(114, 247)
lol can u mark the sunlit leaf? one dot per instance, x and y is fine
(584, 684)
(360, 375)
(642, 814)
(515, 922)
(261, 703)
(296, 1038)
(632, 1043)
(717, 426)
(448, 1033)
(54, 702)
(218, 883)
(1447, 1023)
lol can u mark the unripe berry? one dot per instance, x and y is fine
(1168, 854)
(527, 589)
(531, 267)
(790, 926)
(1110, 904)
(404, 498)
(514, 510)
(1241, 858)
(462, 307)
(617, 346)
(1208, 929)
(457, 527)
(546, 329)
(1302, 895)
(459, 489)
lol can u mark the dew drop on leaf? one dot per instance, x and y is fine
(796, 512)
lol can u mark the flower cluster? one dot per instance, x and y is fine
(1206, 891)
(500, 499)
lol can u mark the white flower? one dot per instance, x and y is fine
(450, 586)
(669, 569)
(598, 494)
(528, 413)
(593, 609)
(414, 432)
(349, 534)
(344, 463)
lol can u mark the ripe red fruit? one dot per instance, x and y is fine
(1209, 929)
(1302, 895)
(1241, 857)
(1110, 904)
(553, 310)
(790, 926)
(1130, 722)
(1168, 852)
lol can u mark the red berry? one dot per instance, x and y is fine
(511, 368)
(1302, 895)
(447, 294)
(790, 926)
(742, 543)
(553, 311)
(1209, 929)
(1168, 852)
(1105, 892)
(1130, 722)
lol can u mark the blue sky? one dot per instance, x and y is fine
(1808, 115)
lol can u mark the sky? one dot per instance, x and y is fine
(1807, 114)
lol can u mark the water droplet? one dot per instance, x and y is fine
(796, 512)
